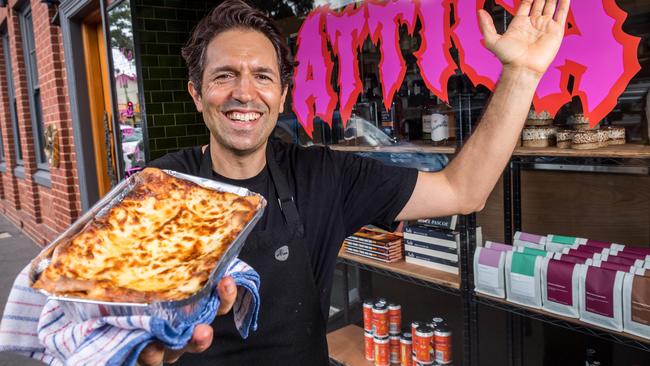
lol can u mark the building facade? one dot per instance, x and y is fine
(39, 196)
(90, 91)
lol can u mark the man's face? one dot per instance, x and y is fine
(241, 93)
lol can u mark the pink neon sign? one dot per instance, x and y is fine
(601, 72)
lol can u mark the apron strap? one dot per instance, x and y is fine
(283, 191)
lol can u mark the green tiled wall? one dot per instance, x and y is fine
(163, 27)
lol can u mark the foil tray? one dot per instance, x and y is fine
(175, 312)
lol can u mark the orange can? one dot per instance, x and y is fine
(380, 320)
(394, 318)
(414, 327)
(369, 345)
(382, 351)
(422, 343)
(394, 349)
(406, 346)
(367, 315)
(442, 337)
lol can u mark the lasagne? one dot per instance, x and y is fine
(160, 243)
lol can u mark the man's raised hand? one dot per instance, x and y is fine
(532, 38)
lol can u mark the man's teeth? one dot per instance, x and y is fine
(243, 116)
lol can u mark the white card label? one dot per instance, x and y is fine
(522, 285)
(488, 276)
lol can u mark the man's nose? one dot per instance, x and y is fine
(244, 90)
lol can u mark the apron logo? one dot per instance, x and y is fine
(282, 253)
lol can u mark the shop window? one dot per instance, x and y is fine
(413, 115)
(34, 90)
(12, 97)
(131, 146)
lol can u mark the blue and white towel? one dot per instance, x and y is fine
(37, 327)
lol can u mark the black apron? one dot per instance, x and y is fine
(291, 325)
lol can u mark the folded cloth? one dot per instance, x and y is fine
(38, 327)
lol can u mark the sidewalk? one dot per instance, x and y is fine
(16, 251)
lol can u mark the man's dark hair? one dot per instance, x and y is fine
(234, 14)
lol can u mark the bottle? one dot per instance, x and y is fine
(427, 111)
(389, 118)
(439, 123)
(451, 121)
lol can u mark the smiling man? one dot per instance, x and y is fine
(240, 71)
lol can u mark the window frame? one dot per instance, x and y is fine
(8, 73)
(42, 174)
(33, 86)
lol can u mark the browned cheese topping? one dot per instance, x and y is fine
(159, 243)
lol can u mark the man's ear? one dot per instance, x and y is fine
(196, 96)
(284, 97)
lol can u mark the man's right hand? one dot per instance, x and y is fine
(155, 353)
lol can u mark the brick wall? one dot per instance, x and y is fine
(163, 27)
(10, 195)
(42, 212)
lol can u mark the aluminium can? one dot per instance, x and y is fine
(422, 343)
(406, 349)
(380, 319)
(367, 315)
(394, 318)
(369, 346)
(382, 351)
(394, 344)
(442, 336)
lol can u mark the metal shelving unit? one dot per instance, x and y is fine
(631, 159)
(625, 159)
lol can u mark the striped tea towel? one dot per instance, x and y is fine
(39, 328)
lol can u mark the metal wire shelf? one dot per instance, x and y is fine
(572, 324)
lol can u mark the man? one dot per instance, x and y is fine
(239, 74)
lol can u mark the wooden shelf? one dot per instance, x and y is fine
(627, 151)
(346, 346)
(574, 321)
(402, 147)
(433, 276)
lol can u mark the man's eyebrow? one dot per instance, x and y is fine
(264, 69)
(217, 69)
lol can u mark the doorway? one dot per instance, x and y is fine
(99, 96)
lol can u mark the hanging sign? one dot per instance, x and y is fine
(596, 52)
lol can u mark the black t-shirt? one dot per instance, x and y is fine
(336, 193)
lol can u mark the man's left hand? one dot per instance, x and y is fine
(532, 38)
(154, 354)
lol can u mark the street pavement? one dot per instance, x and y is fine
(16, 250)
